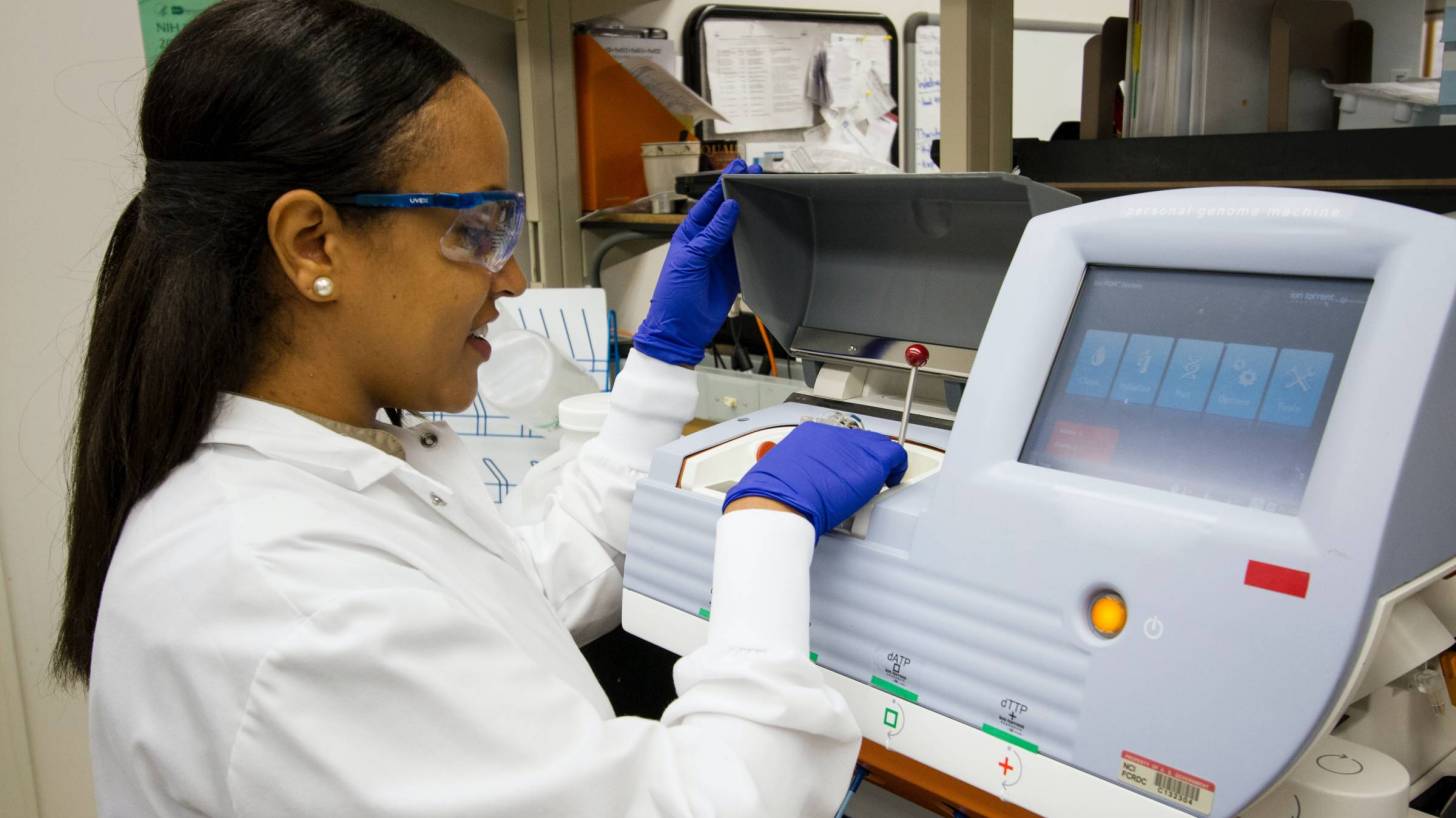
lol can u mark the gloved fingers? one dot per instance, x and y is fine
(888, 455)
(899, 464)
(717, 234)
(703, 212)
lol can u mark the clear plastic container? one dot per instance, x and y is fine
(527, 377)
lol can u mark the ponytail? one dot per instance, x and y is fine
(154, 367)
(252, 99)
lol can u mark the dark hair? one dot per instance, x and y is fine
(252, 99)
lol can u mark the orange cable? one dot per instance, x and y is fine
(773, 365)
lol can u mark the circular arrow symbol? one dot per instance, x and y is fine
(1010, 767)
(1340, 764)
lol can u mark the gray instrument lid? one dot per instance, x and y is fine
(870, 260)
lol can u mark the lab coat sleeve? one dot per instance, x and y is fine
(577, 548)
(402, 702)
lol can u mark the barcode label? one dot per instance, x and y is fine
(1175, 789)
(1167, 782)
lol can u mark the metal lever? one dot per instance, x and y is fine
(916, 356)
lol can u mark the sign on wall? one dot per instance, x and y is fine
(161, 21)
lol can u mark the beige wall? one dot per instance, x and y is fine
(72, 74)
(72, 77)
(1397, 26)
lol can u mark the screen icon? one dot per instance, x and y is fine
(1241, 381)
(1142, 369)
(1296, 386)
(1190, 374)
(1096, 363)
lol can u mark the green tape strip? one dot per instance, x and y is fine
(1009, 738)
(703, 612)
(892, 688)
(813, 657)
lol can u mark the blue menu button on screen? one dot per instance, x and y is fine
(1241, 381)
(1142, 369)
(1096, 363)
(1190, 374)
(1296, 386)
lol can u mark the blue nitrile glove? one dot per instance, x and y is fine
(824, 472)
(698, 283)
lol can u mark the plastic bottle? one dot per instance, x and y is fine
(527, 377)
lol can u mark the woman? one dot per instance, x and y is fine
(306, 612)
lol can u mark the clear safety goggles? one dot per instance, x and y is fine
(485, 232)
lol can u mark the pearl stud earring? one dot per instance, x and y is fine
(323, 286)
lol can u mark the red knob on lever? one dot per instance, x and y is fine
(916, 355)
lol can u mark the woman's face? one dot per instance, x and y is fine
(407, 311)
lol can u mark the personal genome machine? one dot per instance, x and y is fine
(1179, 525)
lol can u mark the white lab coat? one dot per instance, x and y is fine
(297, 623)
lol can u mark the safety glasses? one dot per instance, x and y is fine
(485, 232)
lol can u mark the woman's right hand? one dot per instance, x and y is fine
(823, 472)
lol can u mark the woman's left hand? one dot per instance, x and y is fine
(698, 283)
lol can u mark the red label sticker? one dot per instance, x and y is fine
(1080, 441)
(1277, 578)
(1167, 782)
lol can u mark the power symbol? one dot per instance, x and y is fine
(1153, 628)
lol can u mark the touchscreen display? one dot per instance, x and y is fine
(1216, 385)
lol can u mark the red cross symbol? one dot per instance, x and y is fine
(1005, 766)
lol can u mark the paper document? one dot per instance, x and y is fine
(669, 90)
(757, 72)
(857, 67)
(843, 76)
(877, 100)
(844, 131)
(873, 49)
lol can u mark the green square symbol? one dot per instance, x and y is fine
(892, 718)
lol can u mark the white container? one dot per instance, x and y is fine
(581, 418)
(663, 162)
(527, 377)
(1412, 103)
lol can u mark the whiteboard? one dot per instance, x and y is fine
(923, 85)
(1046, 85)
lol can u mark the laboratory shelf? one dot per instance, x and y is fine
(1411, 166)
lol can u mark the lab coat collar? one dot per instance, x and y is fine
(281, 434)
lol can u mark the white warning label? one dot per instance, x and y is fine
(1166, 782)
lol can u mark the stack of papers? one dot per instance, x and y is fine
(848, 85)
(804, 96)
